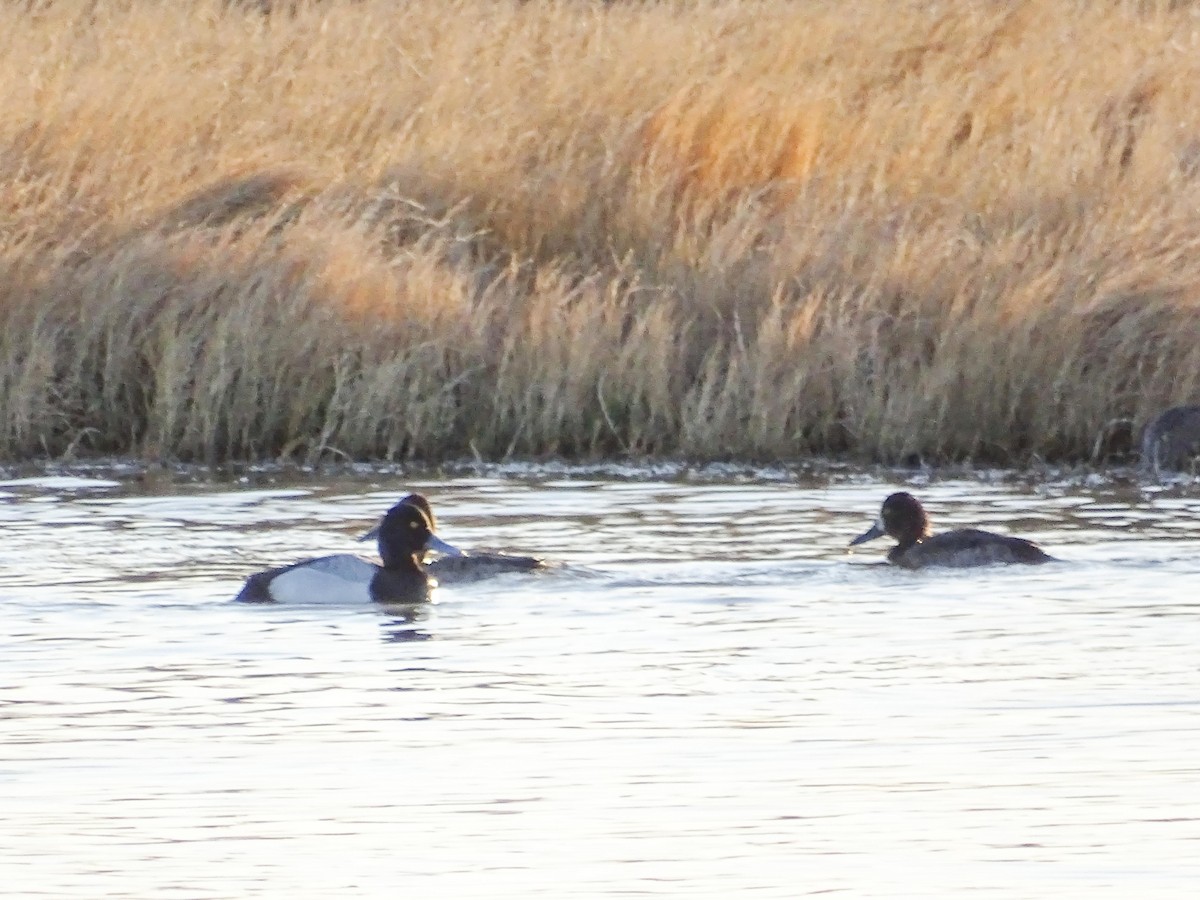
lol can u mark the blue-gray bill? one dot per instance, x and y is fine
(870, 534)
(437, 545)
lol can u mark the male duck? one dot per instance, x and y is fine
(904, 518)
(404, 536)
(463, 566)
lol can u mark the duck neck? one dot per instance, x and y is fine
(910, 539)
(400, 562)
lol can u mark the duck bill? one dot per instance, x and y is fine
(370, 535)
(870, 534)
(437, 545)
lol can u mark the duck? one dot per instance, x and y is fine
(404, 536)
(904, 518)
(465, 565)
(1170, 440)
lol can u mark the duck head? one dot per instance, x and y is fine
(406, 532)
(902, 517)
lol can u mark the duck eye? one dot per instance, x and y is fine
(412, 524)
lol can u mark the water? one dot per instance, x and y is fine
(709, 698)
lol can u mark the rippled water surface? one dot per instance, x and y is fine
(708, 697)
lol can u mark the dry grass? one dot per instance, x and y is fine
(729, 229)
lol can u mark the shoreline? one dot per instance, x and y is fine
(814, 473)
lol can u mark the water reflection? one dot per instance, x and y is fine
(707, 696)
(401, 624)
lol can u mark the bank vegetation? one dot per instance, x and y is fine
(736, 229)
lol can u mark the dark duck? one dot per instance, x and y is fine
(904, 518)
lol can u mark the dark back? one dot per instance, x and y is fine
(967, 547)
(477, 566)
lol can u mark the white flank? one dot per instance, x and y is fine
(330, 579)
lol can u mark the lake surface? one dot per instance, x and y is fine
(708, 697)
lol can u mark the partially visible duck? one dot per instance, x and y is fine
(904, 518)
(404, 536)
(465, 565)
(1170, 440)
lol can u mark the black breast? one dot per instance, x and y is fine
(400, 586)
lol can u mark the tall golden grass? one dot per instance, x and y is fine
(753, 229)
